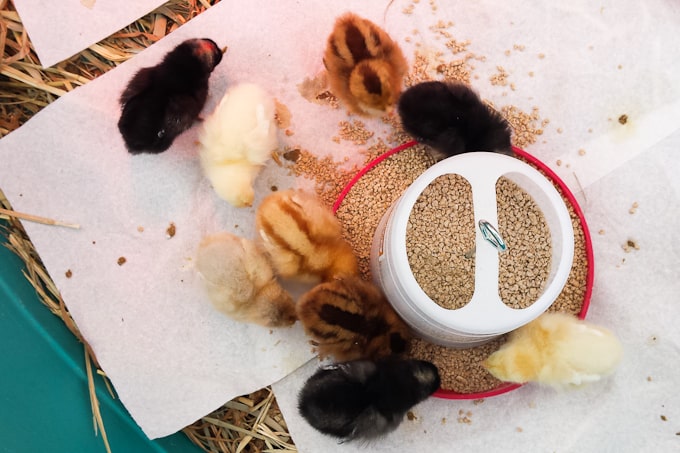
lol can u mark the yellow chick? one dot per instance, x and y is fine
(365, 67)
(303, 238)
(240, 281)
(236, 140)
(558, 350)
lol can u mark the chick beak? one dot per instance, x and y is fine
(224, 49)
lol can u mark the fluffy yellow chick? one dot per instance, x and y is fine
(236, 140)
(558, 350)
(240, 281)
(303, 237)
(365, 67)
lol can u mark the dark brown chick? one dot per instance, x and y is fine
(365, 67)
(349, 318)
(162, 101)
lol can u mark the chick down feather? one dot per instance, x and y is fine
(363, 399)
(236, 141)
(558, 350)
(240, 281)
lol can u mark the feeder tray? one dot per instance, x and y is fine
(555, 221)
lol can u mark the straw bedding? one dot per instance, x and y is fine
(250, 423)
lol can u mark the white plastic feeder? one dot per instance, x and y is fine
(485, 316)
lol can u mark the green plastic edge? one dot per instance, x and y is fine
(44, 398)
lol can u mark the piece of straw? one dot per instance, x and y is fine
(94, 402)
(38, 219)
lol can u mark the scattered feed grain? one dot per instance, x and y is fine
(500, 78)
(355, 132)
(525, 126)
(171, 230)
(373, 194)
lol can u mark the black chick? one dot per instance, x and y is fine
(452, 119)
(364, 399)
(162, 101)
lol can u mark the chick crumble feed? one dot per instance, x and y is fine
(440, 242)
(524, 267)
(355, 132)
(437, 245)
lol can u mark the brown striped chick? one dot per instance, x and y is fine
(303, 238)
(365, 67)
(241, 283)
(557, 350)
(349, 318)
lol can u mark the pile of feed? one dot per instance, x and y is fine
(525, 266)
(440, 240)
(440, 243)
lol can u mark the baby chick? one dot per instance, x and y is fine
(349, 318)
(303, 237)
(241, 283)
(558, 350)
(363, 399)
(365, 67)
(452, 119)
(162, 101)
(236, 140)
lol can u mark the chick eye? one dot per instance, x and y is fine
(161, 133)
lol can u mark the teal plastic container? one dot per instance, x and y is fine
(44, 397)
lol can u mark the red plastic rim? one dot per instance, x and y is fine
(505, 388)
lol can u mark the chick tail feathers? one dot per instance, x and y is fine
(219, 262)
(274, 307)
